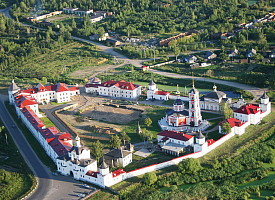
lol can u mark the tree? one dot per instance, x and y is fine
(125, 137)
(73, 24)
(115, 142)
(97, 150)
(177, 52)
(226, 128)
(226, 110)
(150, 178)
(147, 135)
(44, 80)
(100, 31)
(148, 122)
(190, 166)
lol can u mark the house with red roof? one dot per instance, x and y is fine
(237, 126)
(119, 89)
(174, 142)
(59, 92)
(153, 92)
(250, 113)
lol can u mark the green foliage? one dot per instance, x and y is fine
(97, 150)
(226, 128)
(190, 166)
(226, 110)
(148, 122)
(150, 178)
(115, 142)
(146, 134)
(125, 137)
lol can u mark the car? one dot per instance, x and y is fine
(13, 126)
(81, 195)
(55, 173)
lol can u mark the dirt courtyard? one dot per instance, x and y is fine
(111, 114)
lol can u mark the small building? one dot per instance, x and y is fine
(144, 68)
(69, 10)
(96, 18)
(117, 157)
(237, 126)
(241, 102)
(265, 105)
(233, 53)
(190, 59)
(195, 65)
(174, 142)
(98, 38)
(250, 113)
(210, 55)
(251, 53)
(200, 144)
(228, 35)
(213, 100)
(113, 42)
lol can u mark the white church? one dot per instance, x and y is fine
(179, 119)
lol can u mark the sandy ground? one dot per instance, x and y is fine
(94, 113)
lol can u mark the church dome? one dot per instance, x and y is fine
(95, 80)
(178, 102)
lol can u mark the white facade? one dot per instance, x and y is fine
(201, 144)
(59, 93)
(249, 113)
(118, 89)
(195, 117)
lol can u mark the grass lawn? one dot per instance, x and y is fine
(48, 123)
(20, 179)
(172, 88)
(154, 158)
(38, 149)
(230, 146)
(55, 103)
(104, 194)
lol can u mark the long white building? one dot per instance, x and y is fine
(118, 89)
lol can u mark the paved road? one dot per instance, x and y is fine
(257, 92)
(49, 187)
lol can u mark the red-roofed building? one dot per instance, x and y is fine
(174, 142)
(248, 113)
(59, 92)
(119, 89)
(237, 126)
(21, 101)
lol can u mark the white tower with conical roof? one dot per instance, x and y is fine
(77, 142)
(201, 144)
(152, 88)
(265, 105)
(12, 90)
(194, 107)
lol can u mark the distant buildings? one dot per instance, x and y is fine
(190, 59)
(117, 157)
(181, 35)
(233, 53)
(118, 89)
(113, 42)
(210, 55)
(77, 11)
(251, 53)
(228, 35)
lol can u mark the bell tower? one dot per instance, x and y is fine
(194, 107)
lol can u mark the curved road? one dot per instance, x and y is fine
(49, 187)
(257, 92)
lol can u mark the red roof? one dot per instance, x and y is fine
(248, 109)
(120, 84)
(92, 173)
(32, 118)
(233, 122)
(24, 100)
(162, 93)
(59, 87)
(176, 135)
(211, 141)
(118, 172)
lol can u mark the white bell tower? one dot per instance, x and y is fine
(194, 107)
(77, 142)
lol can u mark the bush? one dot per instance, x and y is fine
(150, 178)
